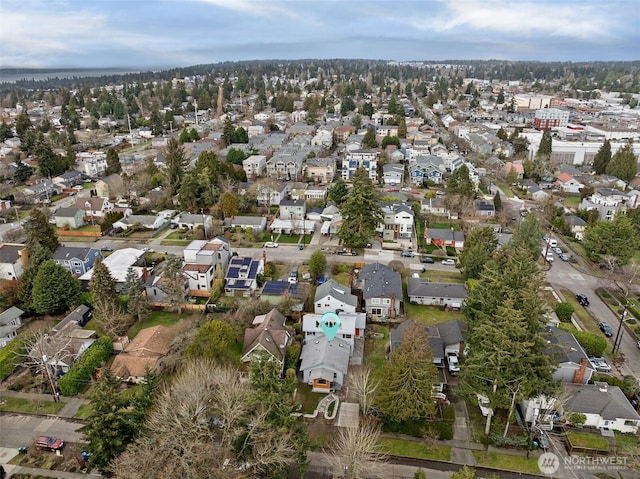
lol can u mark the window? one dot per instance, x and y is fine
(376, 311)
(321, 381)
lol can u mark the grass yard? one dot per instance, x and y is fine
(10, 357)
(572, 201)
(308, 399)
(442, 276)
(588, 440)
(84, 411)
(342, 278)
(374, 349)
(507, 462)
(418, 449)
(165, 318)
(30, 406)
(627, 444)
(429, 315)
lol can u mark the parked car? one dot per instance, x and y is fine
(347, 252)
(270, 244)
(599, 364)
(557, 250)
(606, 329)
(427, 259)
(564, 257)
(449, 262)
(408, 254)
(542, 440)
(582, 299)
(454, 364)
(293, 276)
(48, 443)
(106, 248)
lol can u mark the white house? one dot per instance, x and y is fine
(205, 261)
(423, 291)
(333, 296)
(255, 165)
(10, 322)
(392, 174)
(398, 224)
(12, 261)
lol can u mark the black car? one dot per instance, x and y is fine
(427, 259)
(606, 329)
(582, 299)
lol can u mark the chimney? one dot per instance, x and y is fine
(145, 275)
(578, 377)
(603, 387)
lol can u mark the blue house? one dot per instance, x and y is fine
(77, 260)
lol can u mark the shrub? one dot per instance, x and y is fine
(594, 344)
(444, 430)
(564, 311)
(83, 370)
(10, 357)
(577, 419)
(499, 440)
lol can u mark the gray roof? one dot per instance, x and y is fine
(574, 220)
(320, 352)
(435, 341)
(423, 287)
(66, 253)
(564, 347)
(395, 208)
(338, 291)
(445, 234)
(10, 314)
(380, 281)
(9, 253)
(452, 331)
(610, 404)
(77, 316)
(67, 212)
(292, 203)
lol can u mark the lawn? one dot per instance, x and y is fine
(507, 462)
(165, 318)
(429, 315)
(443, 276)
(10, 357)
(627, 444)
(308, 399)
(588, 440)
(84, 411)
(30, 406)
(374, 349)
(418, 449)
(572, 201)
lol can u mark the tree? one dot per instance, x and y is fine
(357, 451)
(616, 239)
(459, 183)
(317, 265)
(54, 289)
(102, 287)
(236, 156)
(479, 247)
(113, 162)
(362, 383)
(500, 98)
(338, 192)
(529, 236)
(361, 212)
(564, 311)
(464, 473)
(390, 140)
(23, 171)
(602, 158)
(623, 164)
(38, 231)
(497, 201)
(541, 165)
(369, 140)
(176, 161)
(134, 291)
(367, 109)
(174, 282)
(212, 341)
(228, 204)
(408, 379)
(38, 254)
(228, 132)
(23, 124)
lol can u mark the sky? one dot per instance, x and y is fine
(153, 34)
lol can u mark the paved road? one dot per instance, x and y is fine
(20, 429)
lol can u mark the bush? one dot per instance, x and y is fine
(10, 357)
(83, 370)
(444, 430)
(499, 440)
(577, 419)
(564, 311)
(593, 344)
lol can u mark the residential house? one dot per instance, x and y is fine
(351, 329)
(79, 316)
(71, 218)
(381, 290)
(333, 296)
(68, 179)
(118, 264)
(145, 352)
(110, 186)
(148, 222)
(78, 260)
(315, 193)
(249, 223)
(287, 226)
(92, 164)
(577, 225)
(608, 202)
(324, 363)
(424, 168)
(155, 285)
(205, 261)
(284, 166)
(254, 166)
(63, 347)
(444, 237)
(242, 276)
(293, 209)
(356, 159)
(392, 174)
(297, 190)
(449, 295)
(323, 137)
(342, 132)
(270, 194)
(40, 192)
(518, 168)
(191, 221)
(573, 363)
(485, 209)
(94, 207)
(398, 224)
(274, 291)
(10, 322)
(270, 336)
(568, 183)
(606, 407)
(435, 206)
(13, 259)
(534, 191)
(320, 170)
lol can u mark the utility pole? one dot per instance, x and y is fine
(618, 340)
(45, 364)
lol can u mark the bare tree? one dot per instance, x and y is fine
(114, 320)
(364, 386)
(357, 451)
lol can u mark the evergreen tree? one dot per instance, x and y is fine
(459, 183)
(38, 231)
(338, 192)
(602, 158)
(134, 291)
(54, 289)
(369, 140)
(156, 122)
(529, 236)
(176, 161)
(174, 282)
(497, 201)
(228, 132)
(611, 241)
(38, 254)
(361, 213)
(624, 164)
(102, 287)
(113, 162)
(479, 247)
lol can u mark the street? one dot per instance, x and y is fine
(18, 430)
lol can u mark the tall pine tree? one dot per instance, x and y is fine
(602, 158)
(361, 213)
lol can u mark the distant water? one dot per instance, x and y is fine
(13, 75)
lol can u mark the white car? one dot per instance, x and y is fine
(454, 364)
(270, 244)
(449, 262)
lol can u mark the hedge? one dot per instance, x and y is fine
(594, 344)
(83, 370)
(10, 357)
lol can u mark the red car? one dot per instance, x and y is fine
(392, 190)
(48, 443)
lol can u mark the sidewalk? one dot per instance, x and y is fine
(68, 411)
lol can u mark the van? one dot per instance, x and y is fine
(552, 242)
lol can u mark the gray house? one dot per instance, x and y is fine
(573, 363)
(423, 291)
(333, 296)
(69, 217)
(324, 363)
(76, 260)
(10, 322)
(381, 290)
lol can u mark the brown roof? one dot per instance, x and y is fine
(272, 335)
(200, 268)
(212, 246)
(146, 349)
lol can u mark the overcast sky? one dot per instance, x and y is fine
(170, 33)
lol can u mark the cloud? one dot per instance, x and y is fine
(260, 8)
